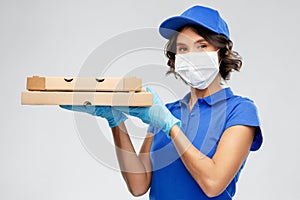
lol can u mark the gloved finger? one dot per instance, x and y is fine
(67, 107)
(102, 111)
(155, 97)
(124, 109)
(115, 110)
(74, 108)
(149, 89)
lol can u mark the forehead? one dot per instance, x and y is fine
(188, 35)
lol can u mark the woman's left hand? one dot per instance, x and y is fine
(156, 115)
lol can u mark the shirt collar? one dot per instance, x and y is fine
(213, 99)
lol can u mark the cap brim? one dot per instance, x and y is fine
(169, 26)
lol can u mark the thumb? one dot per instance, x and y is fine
(155, 97)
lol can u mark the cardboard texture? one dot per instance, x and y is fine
(87, 98)
(107, 91)
(37, 83)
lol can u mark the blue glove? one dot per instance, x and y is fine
(157, 115)
(113, 116)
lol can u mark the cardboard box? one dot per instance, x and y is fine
(39, 83)
(142, 98)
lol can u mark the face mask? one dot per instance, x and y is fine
(198, 69)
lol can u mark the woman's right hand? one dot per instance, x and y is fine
(113, 116)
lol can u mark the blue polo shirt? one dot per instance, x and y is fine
(203, 126)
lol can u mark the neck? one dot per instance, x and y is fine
(211, 89)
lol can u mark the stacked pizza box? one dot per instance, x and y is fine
(108, 91)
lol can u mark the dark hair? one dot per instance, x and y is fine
(230, 60)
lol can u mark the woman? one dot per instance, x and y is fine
(195, 147)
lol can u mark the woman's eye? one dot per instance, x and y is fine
(201, 46)
(182, 49)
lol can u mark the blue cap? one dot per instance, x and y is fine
(198, 15)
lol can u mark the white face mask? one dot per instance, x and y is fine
(198, 69)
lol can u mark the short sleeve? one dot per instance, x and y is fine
(245, 113)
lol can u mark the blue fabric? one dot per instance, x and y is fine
(198, 15)
(203, 126)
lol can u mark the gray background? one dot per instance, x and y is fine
(40, 152)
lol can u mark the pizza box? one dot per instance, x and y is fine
(40, 83)
(142, 98)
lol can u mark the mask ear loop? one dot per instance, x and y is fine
(220, 61)
(222, 81)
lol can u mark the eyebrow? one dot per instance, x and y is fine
(201, 40)
(198, 41)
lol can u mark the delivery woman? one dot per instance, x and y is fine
(195, 147)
